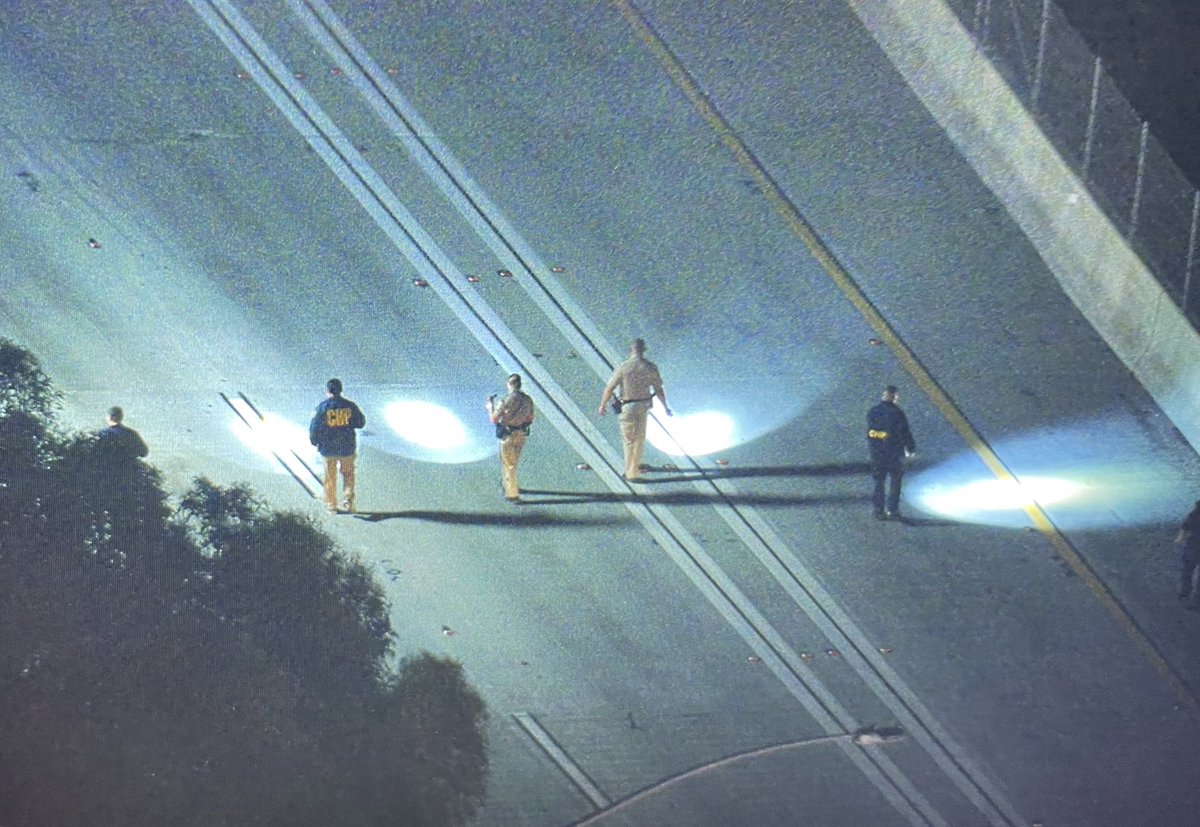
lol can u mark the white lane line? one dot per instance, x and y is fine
(452, 179)
(291, 461)
(562, 760)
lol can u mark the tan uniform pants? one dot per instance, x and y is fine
(633, 435)
(331, 469)
(510, 452)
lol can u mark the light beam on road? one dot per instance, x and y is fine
(426, 425)
(985, 496)
(1093, 474)
(694, 434)
(274, 438)
(429, 432)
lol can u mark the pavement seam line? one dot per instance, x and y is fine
(562, 759)
(451, 178)
(283, 462)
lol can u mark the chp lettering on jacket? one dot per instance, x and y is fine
(338, 417)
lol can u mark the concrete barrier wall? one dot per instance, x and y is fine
(1107, 281)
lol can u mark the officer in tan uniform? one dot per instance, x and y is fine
(512, 418)
(639, 383)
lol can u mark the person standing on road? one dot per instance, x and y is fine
(640, 383)
(126, 490)
(1188, 540)
(889, 440)
(332, 430)
(512, 418)
(119, 442)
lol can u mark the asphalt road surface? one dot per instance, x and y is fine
(208, 201)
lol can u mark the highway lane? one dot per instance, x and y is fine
(191, 413)
(269, 72)
(673, 240)
(1056, 369)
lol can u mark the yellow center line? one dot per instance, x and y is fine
(911, 364)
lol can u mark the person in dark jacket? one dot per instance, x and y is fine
(127, 493)
(1188, 540)
(889, 440)
(118, 442)
(332, 430)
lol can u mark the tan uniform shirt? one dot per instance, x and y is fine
(636, 378)
(515, 410)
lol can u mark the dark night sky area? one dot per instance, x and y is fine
(1151, 48)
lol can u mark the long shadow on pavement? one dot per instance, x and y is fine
(924, 522)
(684, 498)
(830, 469)
(514, 516)
(528, 514)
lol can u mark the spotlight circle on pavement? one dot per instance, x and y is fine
(273, 436)
(426, 425)
(696, 434)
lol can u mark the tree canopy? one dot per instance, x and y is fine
(201, 660)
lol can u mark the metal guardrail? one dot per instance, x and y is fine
(1096, 130)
